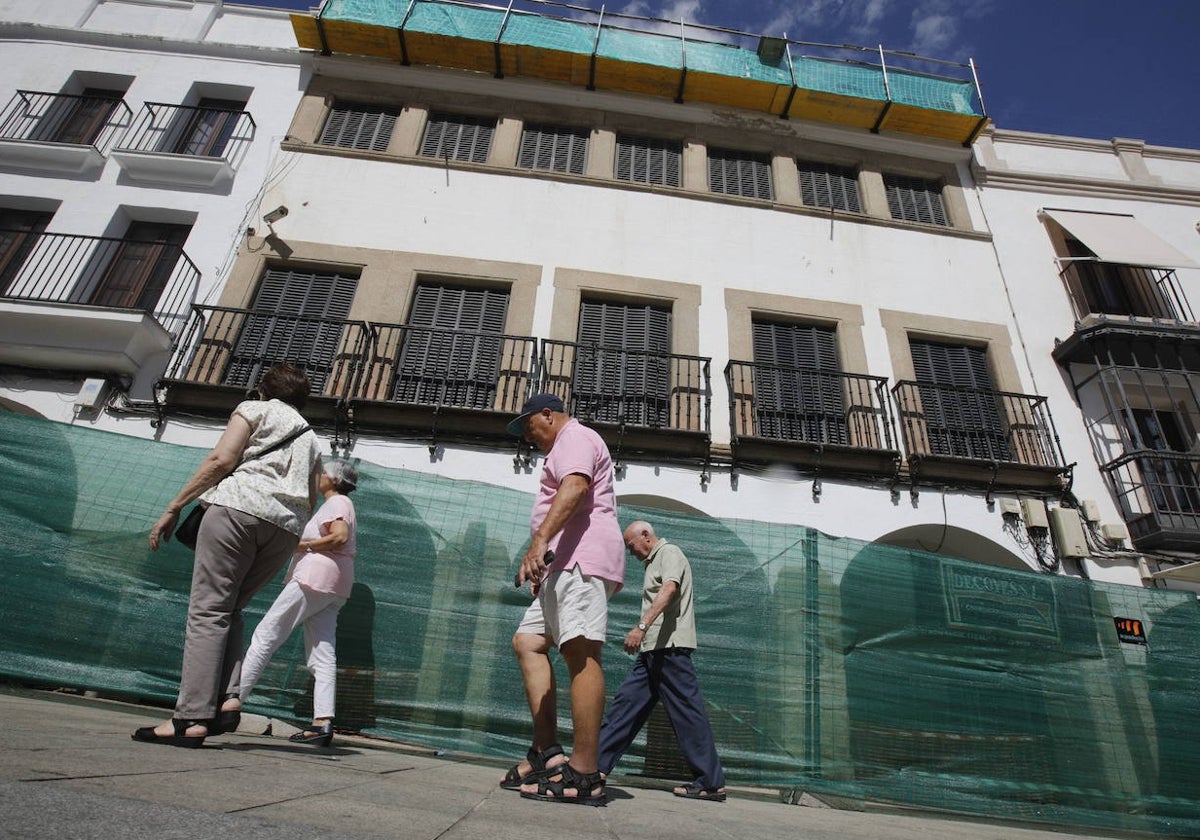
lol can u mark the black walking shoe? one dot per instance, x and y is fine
(318, 736)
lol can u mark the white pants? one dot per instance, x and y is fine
(318, 612)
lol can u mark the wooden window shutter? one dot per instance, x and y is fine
(797, 383)
(962, 416)
(622, 365)
(452, 346)
(915, 200)
(297, 316)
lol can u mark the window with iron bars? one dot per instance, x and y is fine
(829, 186)
(357, 125)
(915, 200)
(458, 137)
(740, 173)
(645, 160)
(553, 148)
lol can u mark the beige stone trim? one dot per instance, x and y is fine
(387, 278)
(741, 306)
(572, 285)
(601, 154)
(900, 326)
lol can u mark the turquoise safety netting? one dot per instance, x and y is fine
(656, 46)
(828, 664)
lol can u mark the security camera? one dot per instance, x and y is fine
(275, 215)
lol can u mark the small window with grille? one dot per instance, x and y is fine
(915, 200)
(458, 137)
(826, 185)
(355, 125)
(553, 148)
(645, 160)
(740, 173)
(623, 363)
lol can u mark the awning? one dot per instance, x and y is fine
(1189, 573)
(1119, 239)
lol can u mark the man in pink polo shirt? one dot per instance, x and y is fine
(575, 517)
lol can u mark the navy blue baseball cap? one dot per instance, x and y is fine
(533, 405)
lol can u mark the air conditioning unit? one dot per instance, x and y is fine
(1067, 529)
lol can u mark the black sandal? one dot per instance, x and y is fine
(692, 790)
(537, 760)
(225, 721)
(147, 735)
(583, 783)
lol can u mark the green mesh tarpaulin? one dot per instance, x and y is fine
(828, 665)
(654, 48)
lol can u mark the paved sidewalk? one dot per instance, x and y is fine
(68, 769)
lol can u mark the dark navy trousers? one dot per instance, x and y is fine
(667, 675)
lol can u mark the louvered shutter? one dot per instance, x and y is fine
(458, 137)
(823, 185)
(648, 161)
(915, 200)
(797, 383)
(622, 364)
(553, 148)
(962, 416)
(452, 345)
(297, 317)
(355, 125)
(740, 173)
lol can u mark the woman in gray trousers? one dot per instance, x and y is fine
(257, 495)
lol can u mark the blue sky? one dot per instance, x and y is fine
(1086, 68)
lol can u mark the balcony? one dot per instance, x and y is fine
(979, 437)
(820, 420)
(60, 132)
(455, 382)
(179, 144)
(1159, 496)
(223, 352)
(863, 87)
(90, 303)
(640, 402)
(1105, 291)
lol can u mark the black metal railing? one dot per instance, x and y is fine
(187, 130)
(788, 403)
(1102, 288)
(973, 423)
(154, 277)
(64, 118)
(233, 347)
(628, 387)
(1159, 496)
(452, 368)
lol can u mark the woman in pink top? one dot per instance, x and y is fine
(317, 585)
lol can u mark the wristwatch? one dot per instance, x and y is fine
(643, 626)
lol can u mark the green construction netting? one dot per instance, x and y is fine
(829, 665)
(655, 48)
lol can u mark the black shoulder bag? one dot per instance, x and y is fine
(189, 528)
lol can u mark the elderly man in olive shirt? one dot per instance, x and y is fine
(663, 640)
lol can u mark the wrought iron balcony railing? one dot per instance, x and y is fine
(86, 120)
(447, 368)
(154, 277)
(975, 424)
(1102, 288)
(188, 130)
(1159, 496)
(233, 347)
(799, 405)
(631, 388)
